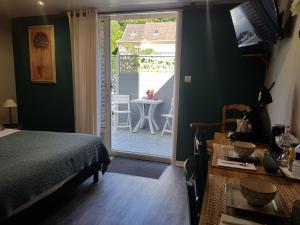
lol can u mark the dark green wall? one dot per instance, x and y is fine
(44, 106)
(209, 54)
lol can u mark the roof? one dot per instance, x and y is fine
(160, 31)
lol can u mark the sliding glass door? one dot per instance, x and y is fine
(142, 82)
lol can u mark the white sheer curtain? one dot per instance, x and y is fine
(85, 64)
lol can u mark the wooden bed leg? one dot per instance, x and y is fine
(96, 177)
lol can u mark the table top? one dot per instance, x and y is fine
(147, 101)
(214, 196)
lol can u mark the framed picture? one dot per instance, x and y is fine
(42, 54)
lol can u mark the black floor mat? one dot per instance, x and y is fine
(136, 167)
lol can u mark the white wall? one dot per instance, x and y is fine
(164, 49)
(7, 74)
(285, 71)
(152, 80)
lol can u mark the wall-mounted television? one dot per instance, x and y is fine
(256, 21)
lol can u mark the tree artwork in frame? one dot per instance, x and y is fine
(42, 54)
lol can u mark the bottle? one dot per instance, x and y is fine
(290, 165)
(291, 156)
(292, 151)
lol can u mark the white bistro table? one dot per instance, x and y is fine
(141, 103)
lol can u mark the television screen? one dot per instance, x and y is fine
(256, 21)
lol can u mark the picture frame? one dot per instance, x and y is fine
(42, 54)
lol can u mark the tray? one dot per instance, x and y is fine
(236, 165)
(289, 174)
(229, 154)
(235, 199)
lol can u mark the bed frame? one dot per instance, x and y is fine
(39, 209)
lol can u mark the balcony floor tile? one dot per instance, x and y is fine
(142, 142)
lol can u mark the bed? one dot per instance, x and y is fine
(34, 164)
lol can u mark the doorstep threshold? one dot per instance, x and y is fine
(134, 155)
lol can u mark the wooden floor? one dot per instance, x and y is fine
(119, 199)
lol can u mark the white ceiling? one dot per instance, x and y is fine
(20, 8)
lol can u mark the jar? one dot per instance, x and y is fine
(285, 140)
(284, 159)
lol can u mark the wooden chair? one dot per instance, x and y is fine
(221, 125)
(233, 107)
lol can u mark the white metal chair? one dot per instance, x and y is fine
(117, 101)
(169, 120)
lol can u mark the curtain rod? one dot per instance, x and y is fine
(140, 11)
(189, 5)
(150, 10)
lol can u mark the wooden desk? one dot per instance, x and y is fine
(218, 176)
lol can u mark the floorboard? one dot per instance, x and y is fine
(119, 199)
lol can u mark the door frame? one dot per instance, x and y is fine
(107, 74)
(107, 136)
(177, 84)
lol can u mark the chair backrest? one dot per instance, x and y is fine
(189, 172)
(172, 106)
(201, 156)
(121, 100)
(226, 108)
(195, 170)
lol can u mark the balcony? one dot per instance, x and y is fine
(134, 75)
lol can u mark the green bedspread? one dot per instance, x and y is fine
(31, 162)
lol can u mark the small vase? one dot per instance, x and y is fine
(150, 96)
